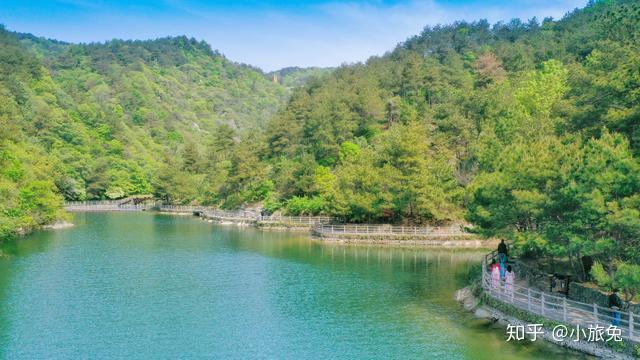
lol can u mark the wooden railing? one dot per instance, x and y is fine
(365, 229)
(299, 220)
(92, 202)
(229, 214)
(247, 215)
(183, 208)
(106, 205)
(211, 212)
(559, 308)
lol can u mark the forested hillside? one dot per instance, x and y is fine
(529, 130)
(104, 121)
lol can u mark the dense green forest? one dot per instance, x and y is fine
(104, 121)
(528, 130)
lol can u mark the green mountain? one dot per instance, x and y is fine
(530, 131)
(419, 133)
(103, 121)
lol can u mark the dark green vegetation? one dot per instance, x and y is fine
(531, 131)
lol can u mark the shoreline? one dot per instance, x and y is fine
(56, 225)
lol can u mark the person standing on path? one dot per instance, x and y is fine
(503, 252)
(615, 304)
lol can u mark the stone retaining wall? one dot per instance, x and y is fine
(407, 240)
(583, 293)
(281, 226)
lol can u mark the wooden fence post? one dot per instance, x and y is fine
(564, 309)
(630, 324)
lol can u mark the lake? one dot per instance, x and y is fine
(145, 285)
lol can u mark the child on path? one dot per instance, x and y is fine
(509, 280)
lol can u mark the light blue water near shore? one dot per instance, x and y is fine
(148, 286)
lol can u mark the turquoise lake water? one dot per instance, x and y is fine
(152, 286)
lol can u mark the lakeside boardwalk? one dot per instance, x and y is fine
(247, 216)
(107, 205)
(453, 236)
(558, 308)
(297, 220)
(371, 229)
(325, 228)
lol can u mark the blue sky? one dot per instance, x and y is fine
(270, 34)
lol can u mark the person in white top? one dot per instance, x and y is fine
(509, 280)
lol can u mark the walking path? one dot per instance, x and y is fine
(107, 205)
(367, 229)
(323, 227)
(558, 308)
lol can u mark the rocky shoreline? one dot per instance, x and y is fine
(58, 225)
